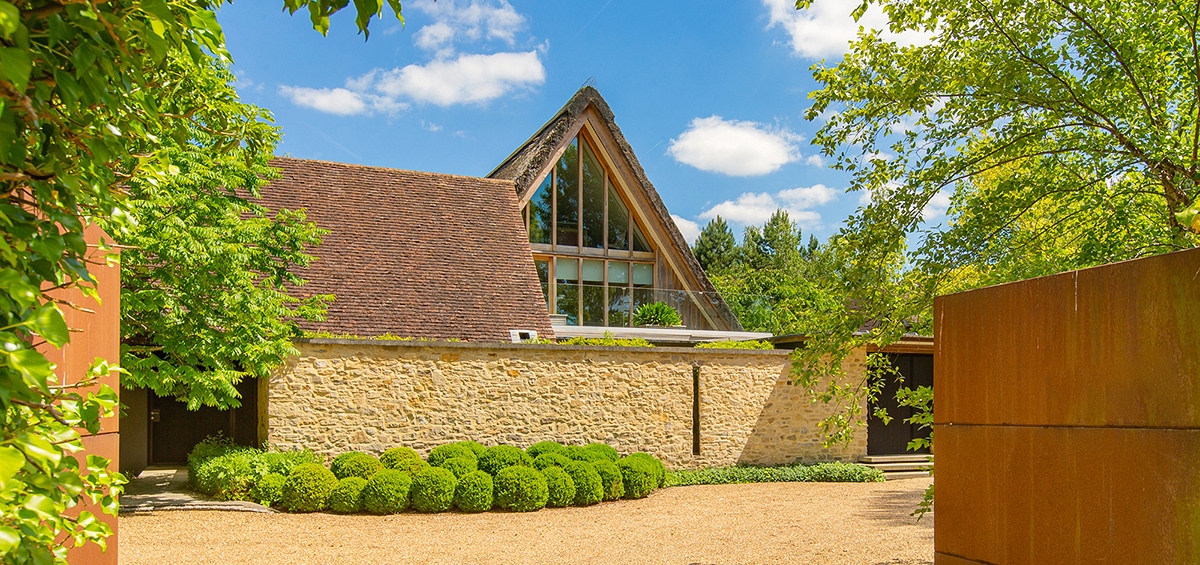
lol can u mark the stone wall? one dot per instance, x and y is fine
(342, 395)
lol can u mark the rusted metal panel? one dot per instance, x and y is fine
(1027, 494)
(96, 333)
(1067, 414)
(1114, 345)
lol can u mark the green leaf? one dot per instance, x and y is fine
(15, 66)
(10, 19)
(9, 538)
(18, 287)
(33, 367)
(48, 322)
(11, 461)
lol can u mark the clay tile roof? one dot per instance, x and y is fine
(414, 254)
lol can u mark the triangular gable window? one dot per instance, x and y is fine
(595, 261)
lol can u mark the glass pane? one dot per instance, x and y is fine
(639, 241)
(566, 274)
(618, 305)
(593, 198)
(566, 188)
(643, 274)
(642, 296)
(618, 221)
(593, 271)
(593, 304)
(540, 213)
(543, 269)
(618, 273)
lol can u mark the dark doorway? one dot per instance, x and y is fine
(893, 438)
(175, 430)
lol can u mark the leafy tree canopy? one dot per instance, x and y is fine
(95, 100)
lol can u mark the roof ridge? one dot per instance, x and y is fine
(389, 169)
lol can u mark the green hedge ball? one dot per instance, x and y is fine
(307, 488)
(474, 492)
(501, 456)
(355, 464)
(433, 490)
(460, 465)
(387, 492)
(589, 488)
(560, 487)
(449, 451)
(347, 496)
(521, 489)
(610, 480)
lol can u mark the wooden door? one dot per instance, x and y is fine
(175, 430)
(893, 438)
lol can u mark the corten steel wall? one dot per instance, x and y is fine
(343, 395)
(1067, 417)
(94, 334)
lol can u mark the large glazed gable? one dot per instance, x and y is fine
(529, 164)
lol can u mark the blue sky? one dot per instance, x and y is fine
(710, 94)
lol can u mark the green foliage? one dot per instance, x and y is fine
(656, 314)
(736, 344)
(307, 489)
(460, 465)
(474, 492)
(640, 476)
(654, 463)
(268, 490)
(355, 464)
(820, 472)
(610, 480)
(541, 462)
(581, 453)
(433, 490)
(604, 450)
(607, 341)
(520, 489)
(347, 496)
(443, 452)
(227, 476)
(560, 487)
(475, 447)
(543, 447)
(94, 97)
(716, 247)
(499, 457)
(282, 462)
(404, 458)
(589, 488)
(387, 492)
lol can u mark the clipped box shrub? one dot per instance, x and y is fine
(475, 447)
(347, 496)
(307, 488)
(604, 450)
(227, 476)
(387, 492)
(639, 475)
(283, 462)
(474, 492)
(560, 488)
(520, 488)
(549, 460)
(355, 464)
(268, 491)
(499, 457)
(660, 470)
(460, 465)
(589, 488)
(448, 451)
(433, 490)
(541, 447)
(611, 481)
(581, 453)
(398, 457)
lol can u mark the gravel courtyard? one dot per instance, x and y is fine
(818, 523)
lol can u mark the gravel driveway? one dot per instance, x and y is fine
(818, 523)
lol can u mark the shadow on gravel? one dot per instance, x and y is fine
(894, 508)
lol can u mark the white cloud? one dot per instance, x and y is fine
(815, 161)
(937, 206)
(689, 229)
(733, 147)
(827, 28)
(468, 79)
(471, 20)
(340, 101)
(430, 126)
(755, 208)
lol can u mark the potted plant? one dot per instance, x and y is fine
(656, 314)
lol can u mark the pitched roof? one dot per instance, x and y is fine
(525, 165)
(414, 254)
